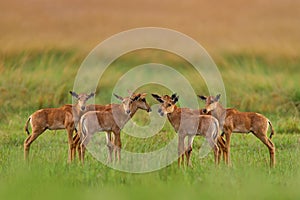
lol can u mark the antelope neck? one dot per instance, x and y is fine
(133, 110)
(122, 117)
(175, 115)
(219, 112)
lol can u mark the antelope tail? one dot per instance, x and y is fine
(81, 128)
(272, 130)
(221, 142)
(220, 139)
(26, 126)
(216, 132)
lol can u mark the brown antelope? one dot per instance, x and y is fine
(65, 117)
(110, 141)
(112, 119)
(188, 122)
(76, 138)
(233, 121)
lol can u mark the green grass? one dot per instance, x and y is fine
(49, 174)
(33, 80)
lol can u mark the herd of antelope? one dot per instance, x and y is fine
(213, 122)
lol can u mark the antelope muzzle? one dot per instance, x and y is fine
(160, 111)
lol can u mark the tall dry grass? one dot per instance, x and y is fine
(220, 26)
(34, 80)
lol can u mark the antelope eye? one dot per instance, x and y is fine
(169, 104)
(144, 100)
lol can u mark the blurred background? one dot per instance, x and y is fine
(271, 26)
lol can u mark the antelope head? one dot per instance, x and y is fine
(211, 102)
(134, 101)
(82, 99)
(141, 101)
(167, 103)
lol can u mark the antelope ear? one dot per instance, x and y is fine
(91, 95)
(143, 95)
(130, 92)
(175, 99)
(202, 97)
(136, 97)
(157, 97)
(74, 94)
(118, 97)
(218, 97)
(173, 96)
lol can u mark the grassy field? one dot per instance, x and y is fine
(33, 80)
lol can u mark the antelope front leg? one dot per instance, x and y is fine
(71, 144)
(188, 151)
(83, 145)
(110, 146)
(222, 147)
(79, 150)
(76, 143)
(118, 146)
(216, 152)
(180, 149)
(82, 148)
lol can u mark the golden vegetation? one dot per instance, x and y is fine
(255, 26)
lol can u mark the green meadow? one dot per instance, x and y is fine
(32, 80)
